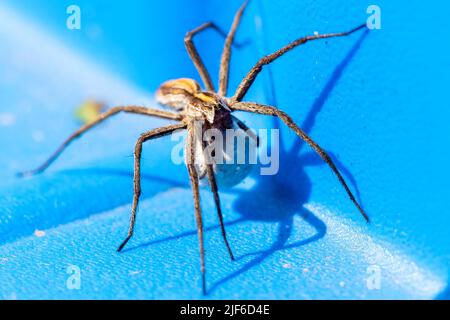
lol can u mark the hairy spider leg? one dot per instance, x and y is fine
(153, 134)
(246, 83)
(215, 191)
(195, 56)
(193, 175)
(111, 112)
(245, 128)
(226, 53)
(272, 111)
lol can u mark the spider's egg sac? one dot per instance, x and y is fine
(232, 162)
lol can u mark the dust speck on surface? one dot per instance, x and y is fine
(39, 233)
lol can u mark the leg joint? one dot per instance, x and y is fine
(116, 109)
(188, 37)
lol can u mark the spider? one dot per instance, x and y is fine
(189, 104)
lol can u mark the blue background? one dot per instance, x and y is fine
(377, 101)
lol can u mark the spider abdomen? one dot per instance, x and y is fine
(230, 150)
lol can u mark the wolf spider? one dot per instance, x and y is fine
(191, 103)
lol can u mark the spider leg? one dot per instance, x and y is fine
(244, 127)
(253, 73)
(101, 118)
(193, 175)
(194, 55)
(272, 111)
(215, 191)
(153, 134)
(226, 53)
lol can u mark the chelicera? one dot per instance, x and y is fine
(190, 104)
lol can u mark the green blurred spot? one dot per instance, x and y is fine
(89, 111)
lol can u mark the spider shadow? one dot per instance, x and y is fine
(445, 293)
(279, 198)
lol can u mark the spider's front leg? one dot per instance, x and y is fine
(226, 53)
(111, 112)
(247, 82)
(153, 134)
(272, 111)
(195, 56)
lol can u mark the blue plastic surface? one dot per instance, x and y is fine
(377, 101)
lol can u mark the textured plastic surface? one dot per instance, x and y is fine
(377, 101)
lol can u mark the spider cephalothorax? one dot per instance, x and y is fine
(186, 96)
(210, 116)
(196, 110)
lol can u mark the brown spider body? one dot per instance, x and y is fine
(186, 96)
(197, 110)
(209, 111)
